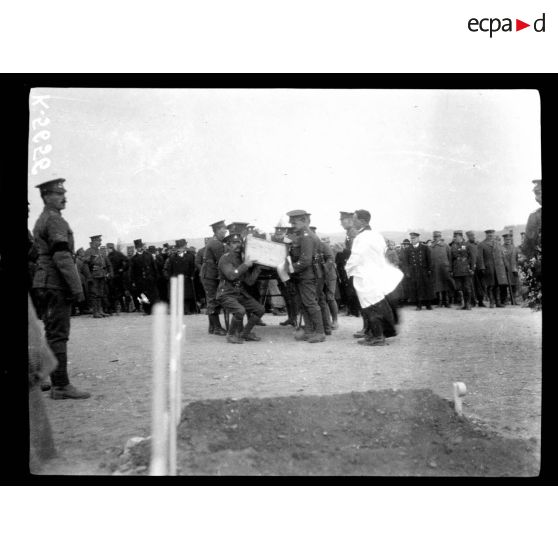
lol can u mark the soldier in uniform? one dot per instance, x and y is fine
(56, 283)
(511, 260)
(330, 281)
(532, 239)
(418, 264)
(307, 272)
(286, 289)
(463, 268)
(119, 263)
(405, 284)
(490, 259)
(234, 275)
(347, 291)
(325, 256)
(441, 264)
(478, 281)
(209, 275)
(143, 277)
(200, 292)
(100, 271)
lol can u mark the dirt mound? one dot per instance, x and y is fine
(385, 433)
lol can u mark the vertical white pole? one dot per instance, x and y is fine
(172, 377)
(159, 440)
(179, 334)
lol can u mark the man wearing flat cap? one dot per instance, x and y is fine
(57, 282)
(234, 276)
(100, 270)
(307, 272)
(143, 277)
(490, 260)
(418, 268)
(209, 275)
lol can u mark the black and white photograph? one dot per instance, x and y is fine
(376, 252)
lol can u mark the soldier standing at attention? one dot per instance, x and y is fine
(100, 269)
(478, 283)
(463, 268)
(57, 283)
(441, 265)
(209, 275)
(307, 272)
(232, 295)
(418, 267)
(323, 253)
(511, 260)
(491, 262)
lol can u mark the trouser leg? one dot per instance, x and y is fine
(56, 319)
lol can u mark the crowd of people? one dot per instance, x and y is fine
(365, 276)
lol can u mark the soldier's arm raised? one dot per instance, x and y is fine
(231, 272)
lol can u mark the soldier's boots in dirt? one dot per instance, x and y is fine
(373, 341)
(247, 333)
(360, 334)
(68, 392)
(288, 322)
(317, 337)
(97, 309)
(217, 327)
(318, 333)
(233, 336)
(302, 334)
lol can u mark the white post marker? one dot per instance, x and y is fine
(172, 376)
(459, 390)
(159, 414)
(179, 335)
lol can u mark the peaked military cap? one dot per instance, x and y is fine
(110, 245)
(237, 227)
(414, 234)
(507, 235)
(487, 231)
(233, 237)
(298, 213)
(217, 225)
(151, 248)
(437, 233)
(96, 237)
(346, 214)
(469, 232)
(458, 232)
(406, 241)
(138, 243)
(181, 242)
(55, 186)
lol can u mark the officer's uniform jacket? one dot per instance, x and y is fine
(199, 258)
(511, 255)
(532, 240)
(99, 266)
(418, 264)
(213, 252)
(233, 274)
(491, 259)
(54, 241)
(474, 245)
(305, 250)
(462, 260)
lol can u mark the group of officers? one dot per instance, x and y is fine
(228, 278)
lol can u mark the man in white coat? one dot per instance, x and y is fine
(374, 278)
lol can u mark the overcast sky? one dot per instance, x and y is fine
(163, 164)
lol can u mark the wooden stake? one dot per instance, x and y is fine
(159, 435)
(459, 390)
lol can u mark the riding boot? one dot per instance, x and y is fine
(218, 328)
(233, 335)
(96, 308)
(318, 333)
(497, 292)
(247, 333)
(439, 300)
(334, 312)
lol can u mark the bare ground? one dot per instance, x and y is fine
(495, 352)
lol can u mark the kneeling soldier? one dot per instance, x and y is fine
(231, 292)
